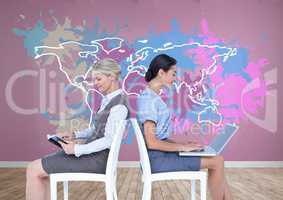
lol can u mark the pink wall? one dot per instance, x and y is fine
(255, 25)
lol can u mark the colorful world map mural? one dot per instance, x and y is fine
(223, 83)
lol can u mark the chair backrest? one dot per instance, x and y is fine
(113, 156)
(144, 159)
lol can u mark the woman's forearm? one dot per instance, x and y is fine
(164, 145)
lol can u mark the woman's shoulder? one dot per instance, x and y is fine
(145, 95)
(120, 99)
(147, 98)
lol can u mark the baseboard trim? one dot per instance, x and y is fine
(13, 164)
(254, 164)
(128, 164)
(135, 164)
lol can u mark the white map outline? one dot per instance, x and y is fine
(132, 68)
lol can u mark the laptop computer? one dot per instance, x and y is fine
(216, 145)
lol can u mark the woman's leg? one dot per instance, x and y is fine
(227, 193)
(47, 188)
(216, 179)
(36, 181)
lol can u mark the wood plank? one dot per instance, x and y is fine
(259, 184)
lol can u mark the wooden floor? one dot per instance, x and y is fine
(246, 184)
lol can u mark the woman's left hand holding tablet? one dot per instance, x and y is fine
(68, 148)
(66, 136)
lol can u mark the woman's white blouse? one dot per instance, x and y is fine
(117, 113)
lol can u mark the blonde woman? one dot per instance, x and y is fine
(92, 156)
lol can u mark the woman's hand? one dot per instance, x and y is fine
(192, 142)
(66, 136)
(68, 148)
(192, 146)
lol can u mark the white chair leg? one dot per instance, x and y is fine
(53, 188)
(114, 190)
(203, 185)
(66, 189)
(115, 193)
(193, 189)
(142, 178)
(109, 191)
(146, 194)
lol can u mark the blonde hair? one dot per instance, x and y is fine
(107, 66)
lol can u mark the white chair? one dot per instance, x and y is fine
(109, 178)
(149, 177)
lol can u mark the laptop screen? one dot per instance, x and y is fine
(219, 142)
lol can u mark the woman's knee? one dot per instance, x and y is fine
(219, 161)
(34, 169)
(215, 162)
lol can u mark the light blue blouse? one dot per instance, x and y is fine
(151, 107)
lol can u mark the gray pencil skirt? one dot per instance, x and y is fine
(161, 161)
(60, 162)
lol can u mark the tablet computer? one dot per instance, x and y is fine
(54, 139)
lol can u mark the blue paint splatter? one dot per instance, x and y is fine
(32, 37)
(236, 65)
